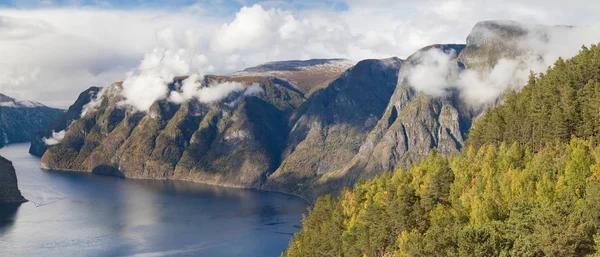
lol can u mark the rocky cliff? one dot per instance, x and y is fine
(413, 124)
(62, 122)
(328, 129)
(9, 191)
(233, 142)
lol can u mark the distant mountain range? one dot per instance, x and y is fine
(313, 128)
(20, 120)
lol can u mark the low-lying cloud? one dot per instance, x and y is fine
(95, 101)
(436, 71)
(56, 138)
(192, 89)
(150, 81)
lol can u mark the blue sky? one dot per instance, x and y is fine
(224, 7)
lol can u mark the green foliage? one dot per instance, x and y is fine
(551, 108)
(497, 201)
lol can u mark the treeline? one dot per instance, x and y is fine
(528, 184)
(552, 107)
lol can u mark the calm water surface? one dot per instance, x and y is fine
(80, 214)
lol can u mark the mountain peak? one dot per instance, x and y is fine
(7, 101)
(296, 65)
(304, 75)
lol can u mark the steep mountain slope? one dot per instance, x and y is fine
(38, 146)
(9, 191)
(234, 142)
(330, 126)
(20, 120)
(412, 124)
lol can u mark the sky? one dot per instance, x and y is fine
(51, 50)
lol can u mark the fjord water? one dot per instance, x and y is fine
(81, 214)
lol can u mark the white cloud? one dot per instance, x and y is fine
(192, 89)
(56, 138)
(148, 83)
(254, 89)
(95, 100)
(436, 72)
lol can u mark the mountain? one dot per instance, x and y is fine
(239, 141)
(20, 120)
(233, 142)
(9, 191)
(313, 128)
(413, 124)
(329, 127)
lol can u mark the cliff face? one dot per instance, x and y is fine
(412, 125)
(234, 142)
(9, 191)
(20, 120)
(62, 122)
(403, 131)
(329, 127)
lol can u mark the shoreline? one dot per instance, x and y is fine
(173, 179)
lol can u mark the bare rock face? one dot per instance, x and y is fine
(330, 126)
(9, 191)
(411, 125)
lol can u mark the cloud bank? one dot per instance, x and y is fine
(437, 72)
(192, 89)
(51, 54)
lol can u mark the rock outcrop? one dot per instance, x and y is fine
(9, 190)
(62, 122)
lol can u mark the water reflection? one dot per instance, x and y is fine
(80, 214)
(8, 212)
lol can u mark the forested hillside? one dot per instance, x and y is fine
(528, 184)
(552, 107)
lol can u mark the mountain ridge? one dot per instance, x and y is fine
(289, 138)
